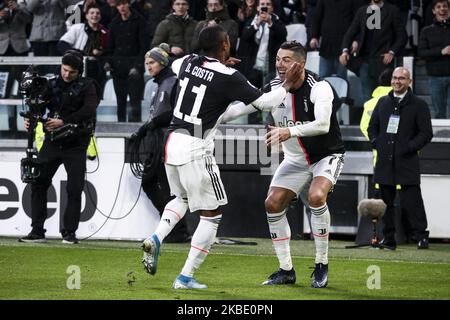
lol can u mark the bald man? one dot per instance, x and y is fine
(400, 126)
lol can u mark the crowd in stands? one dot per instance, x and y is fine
(115, 34)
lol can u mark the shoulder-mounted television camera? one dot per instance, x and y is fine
(36, 95)
(35, 92)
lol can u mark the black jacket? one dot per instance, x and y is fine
(74, 103)
(391, 36)
(432, 40)
(398, 159)
(127, 44)
(248, 48)
(224, 20)
(164, 99)
(331, 20)
(176, 31)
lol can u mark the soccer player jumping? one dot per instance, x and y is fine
(206, 88)
(307, 127)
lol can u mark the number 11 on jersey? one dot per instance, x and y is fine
(200, 93)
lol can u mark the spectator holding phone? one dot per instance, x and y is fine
(260, 40)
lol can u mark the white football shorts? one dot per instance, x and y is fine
(296, 177)
(198, 181)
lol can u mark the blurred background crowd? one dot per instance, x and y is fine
(352, 37)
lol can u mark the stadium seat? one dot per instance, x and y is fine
(8, 112)
(108, 92)
(341, 87)
(14, 89)
(312, 61)
(107, 109)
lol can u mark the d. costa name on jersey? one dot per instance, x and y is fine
(200, 72)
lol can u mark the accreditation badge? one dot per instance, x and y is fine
(392, 127)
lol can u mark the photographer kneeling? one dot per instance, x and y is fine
(73, 107)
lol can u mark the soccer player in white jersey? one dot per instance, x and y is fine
(206, 88)
(306, 126)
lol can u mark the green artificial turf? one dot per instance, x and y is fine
(113, 270)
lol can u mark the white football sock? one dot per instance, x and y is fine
(204, 236)
(320, 222)
(280, 233)
(173, 212)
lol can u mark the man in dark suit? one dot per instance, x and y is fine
(374, 38)
(127, 44)
(400, 126)
(331, 20)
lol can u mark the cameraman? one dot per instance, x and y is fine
(74, 101)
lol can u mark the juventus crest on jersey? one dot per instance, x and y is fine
(298, 108)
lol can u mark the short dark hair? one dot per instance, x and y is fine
(210, 38)
(298, 49)
(435, 2)
(91, 6)
(385, 77)
(74, 59)
(173, 1)
(221, 2)
(274, 4)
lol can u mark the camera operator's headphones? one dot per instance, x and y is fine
(74, 59)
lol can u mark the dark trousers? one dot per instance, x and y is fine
(45, 49)
(74, 160)
(133, 86)
(94, 69)
(412, 207)
(158, 191)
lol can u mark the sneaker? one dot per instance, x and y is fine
(70, 238)
(423, 244)
(33, 238)
(183, 282)
(388, 244)
(320, 276)
(281, 277)
(151, 252)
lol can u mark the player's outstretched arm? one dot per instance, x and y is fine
(236, 110)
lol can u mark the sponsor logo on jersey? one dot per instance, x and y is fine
(290, 123)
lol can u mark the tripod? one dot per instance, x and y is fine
(374, 242)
